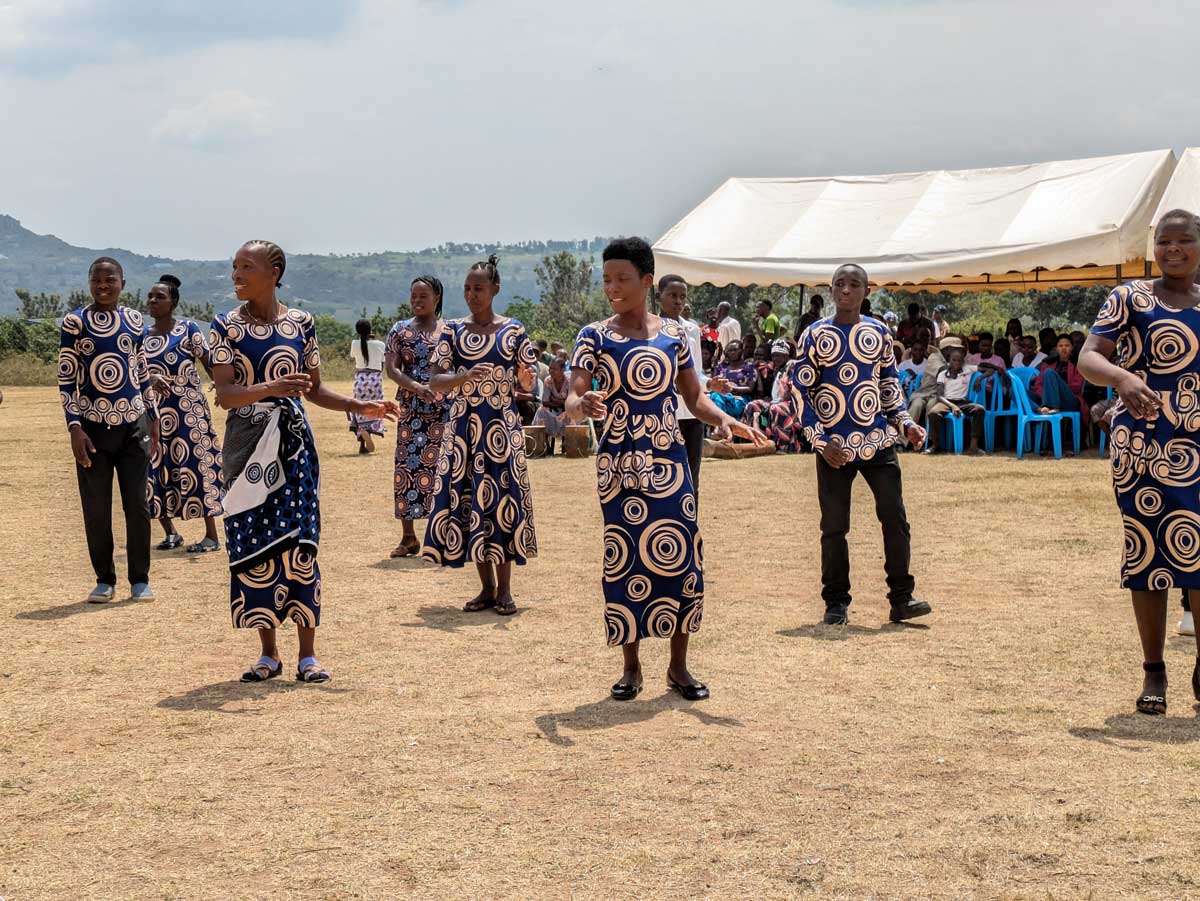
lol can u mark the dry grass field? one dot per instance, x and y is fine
(989, 752)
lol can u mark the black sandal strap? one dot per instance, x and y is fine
(1159, 667)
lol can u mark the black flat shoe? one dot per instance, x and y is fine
(623, 691)
(837, 615)
(697, 692)
(1196, 680)
(910, 609)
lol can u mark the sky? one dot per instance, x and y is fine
(182, 129)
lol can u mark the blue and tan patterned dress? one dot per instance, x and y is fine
(653, 553)
(1156, 462)
(482, 508)
(185, 477)
(272, 475)
(420, 423)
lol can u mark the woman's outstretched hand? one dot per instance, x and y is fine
(376, 409)
(731, 427)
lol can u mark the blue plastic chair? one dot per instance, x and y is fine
(1103, 442)
(1027, 417)
(908, 383)
(996, 407)
(952, 423)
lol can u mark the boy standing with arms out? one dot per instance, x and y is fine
(113, 422)
(852, 411)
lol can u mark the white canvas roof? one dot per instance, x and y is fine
(969, 229)
(1183, 193)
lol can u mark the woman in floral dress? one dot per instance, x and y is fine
(410, 346)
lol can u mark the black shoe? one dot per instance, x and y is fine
(623, 691)
(910, 609)
(837, 615)
(696, 692)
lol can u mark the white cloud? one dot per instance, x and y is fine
(222, 120)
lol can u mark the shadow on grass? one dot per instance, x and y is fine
(1121, 728)
(608, 713)
(66, 610)
(822, 632)
(452, 619)
(214, 697)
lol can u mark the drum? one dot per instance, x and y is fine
(535, 441)
(576, 441)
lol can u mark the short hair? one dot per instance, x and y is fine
(851, 266)
(768, 304)
(986, 336)
(633, 250)
(914, 307)
(173, 285)
(1178, 215)
(670, 280)
(923, 334)
(816, 300)
(100, 261)
(541, 343)
(489, 267)
(275, 256)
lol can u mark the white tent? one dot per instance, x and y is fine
(1017, 227)
(1183, 193)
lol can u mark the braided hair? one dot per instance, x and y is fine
(363, 327)
(275, 256)
(490, 266)
(173, 285)
(435, 284)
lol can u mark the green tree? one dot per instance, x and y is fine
(569, 297)
(40, 305)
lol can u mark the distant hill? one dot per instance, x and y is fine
(338, 284)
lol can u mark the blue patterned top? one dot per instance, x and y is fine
(845, 383)
(102, 375)
(262, 353)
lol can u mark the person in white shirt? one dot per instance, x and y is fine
(672, 298)
(953, 386)
(1029, 355)
(728, 328)
(367, 353)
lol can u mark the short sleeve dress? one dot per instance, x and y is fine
(1156, 462)
(653, 553)
(419, 425)
(482, 507)
(283, 580)
(186, 475)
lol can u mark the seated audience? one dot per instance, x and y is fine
(1029, 356)
(953, 387)
(775, 415)
(907, 330)
(926, 389)
(740, 375)
(1003, 349)
(552, 414)
(989, 363)
(1058, 387)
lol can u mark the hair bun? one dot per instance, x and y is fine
(494, 260)
(170, 280)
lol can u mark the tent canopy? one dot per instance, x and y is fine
(1017, 227)
(1182, 193)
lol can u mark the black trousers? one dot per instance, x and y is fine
(693, 439)
(833, 492)
(125, 450)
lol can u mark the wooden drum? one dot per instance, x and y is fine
(535, 441)
(577, 441)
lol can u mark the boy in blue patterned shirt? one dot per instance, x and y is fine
(852, 411)
(113, 422)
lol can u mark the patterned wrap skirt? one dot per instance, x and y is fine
(368, 386)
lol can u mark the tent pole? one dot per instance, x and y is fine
(799, 316)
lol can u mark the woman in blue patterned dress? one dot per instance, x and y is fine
(1154, 329)
(265, 359)
(410, 346)
(185, 475)
(482, 510)
(653, 554)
